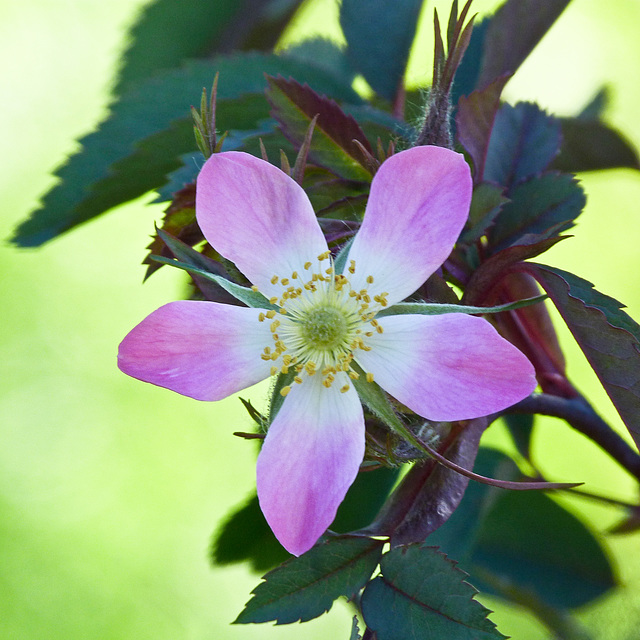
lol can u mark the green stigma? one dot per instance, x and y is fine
(324, 328)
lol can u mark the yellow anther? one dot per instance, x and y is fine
(261, 317)
(284, 369)
(298, 380)
(368, 334)
(324, 256)
(273, 299)
(286, 359)
(285, 390)
(267, 350)
(307, 265)
(354, 375)
(344, 389)
(352, 266)
(370, 279)
(283, 310)
(374, 323)
(274, 326)
(352, 294)
(379, 329)
(275, 356)
(326, 382)
(284, 281)
(274, 279)
(254, 288)
(274, 370)
(280, 346)
(329, 270)
(271, 314)
(294, 275)
(310, 368)
(369, 376)
(268, 356)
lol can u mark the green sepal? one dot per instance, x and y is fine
(250, 297)
(434, 309)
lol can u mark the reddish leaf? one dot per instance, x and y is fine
(608, 337)
(474, 122)
(295, 105)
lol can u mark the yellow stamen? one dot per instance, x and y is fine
(369, 376)
(285, 390)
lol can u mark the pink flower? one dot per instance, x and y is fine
(443, 367)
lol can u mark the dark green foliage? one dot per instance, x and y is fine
(609, 338)
(524, 140)
(304, 588)
(591, 145)
(486, 203)
(531, 541)
(525, 540)
(421, 595)
(513, 32)
(543, 207)
(245, 536)
(379, 35)
(325, 53)
(168, 32)
(355, 631)
(147, 132)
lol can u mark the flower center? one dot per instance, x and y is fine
(321, 321)
(324, 328)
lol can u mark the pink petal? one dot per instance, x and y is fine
(204, 350)
(309, 459)
(258, 217)
(418, 204)
(447, 367)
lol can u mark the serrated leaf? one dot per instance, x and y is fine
(474, 123)
(513, 32)
(379, 35)
(544, 206)
(524, 140)
(332, 146)
(608, 337)
(592, 145)
(492, 270)
(421, 595)
(194, 29)
(486, 203)
(429, 493)
(148, 129)
(305, 587)
(355, 631)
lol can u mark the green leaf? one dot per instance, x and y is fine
(524, 540)
(250, 297)
(544, 206)
(608, 337)
(421, 594)
(524, 140)
(486, 204)
(513, 32)
(379, 35)
(520, 426)
(531, 541)
(325, 53)
(304, 588)
(355, 631)
(592, 145)
(436, 309)
(332, 145)
(148, 129)
(246, 536)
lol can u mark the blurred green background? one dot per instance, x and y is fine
(110, 488)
